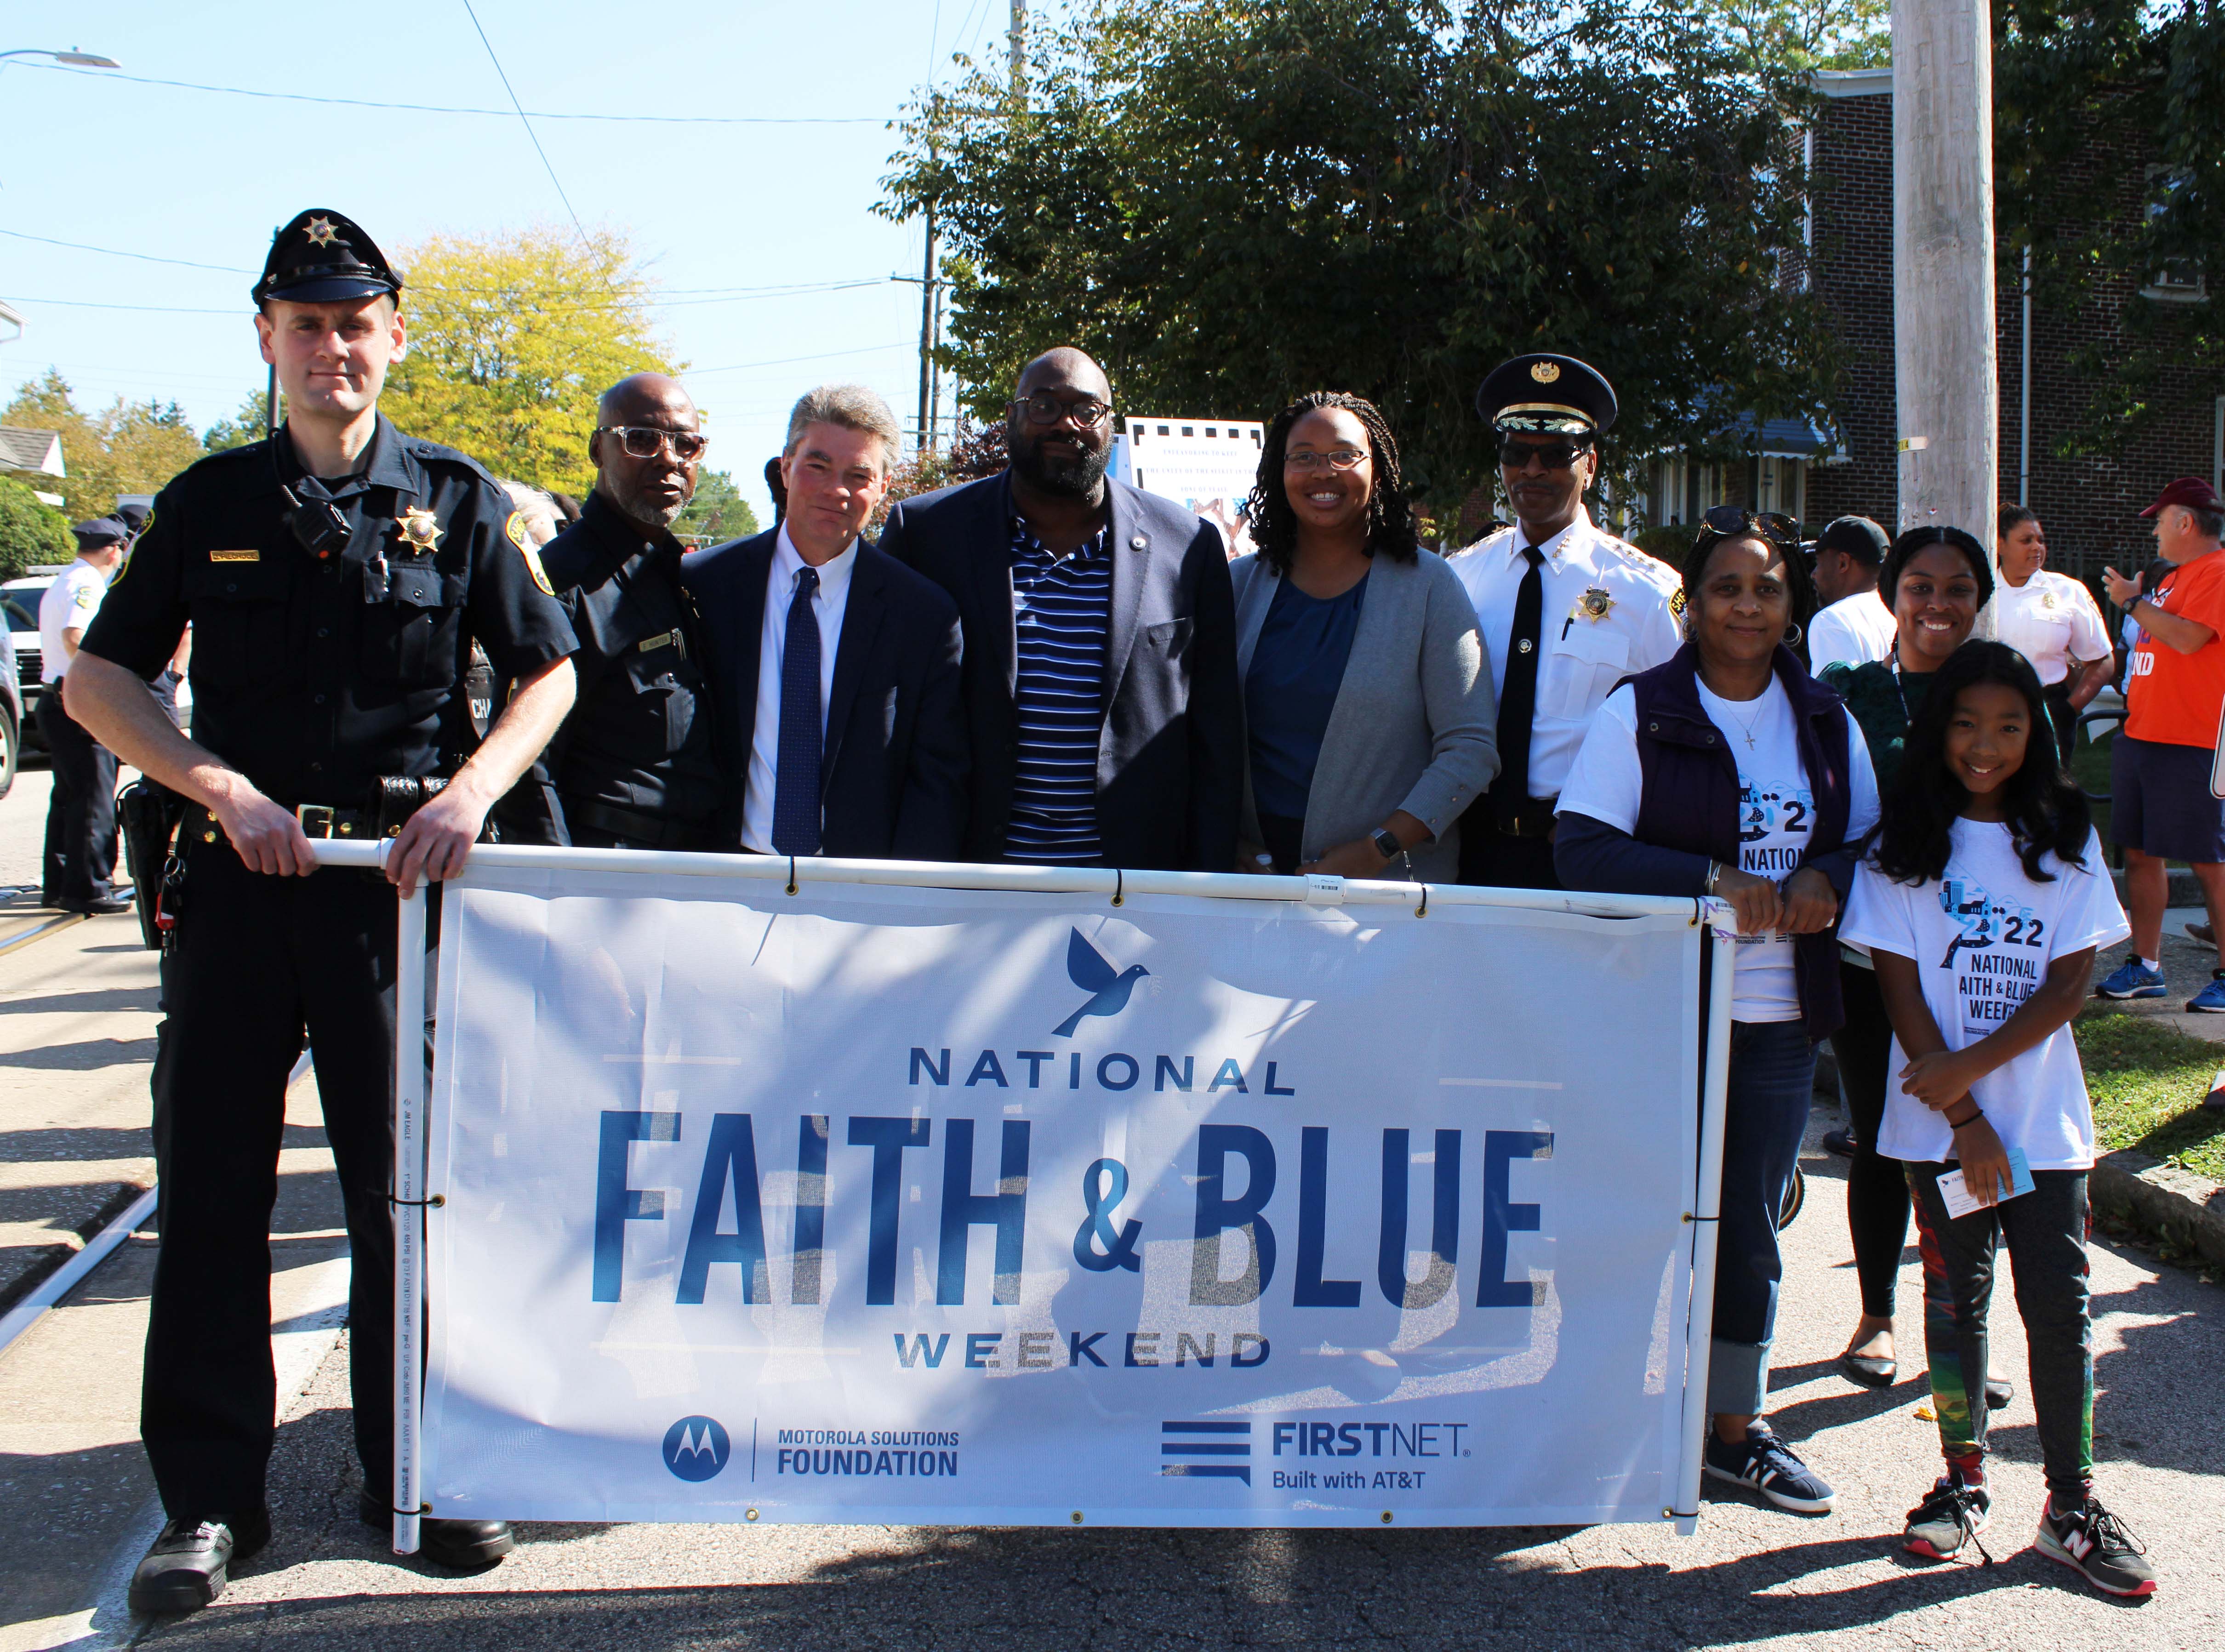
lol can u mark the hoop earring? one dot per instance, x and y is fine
(1792, 634)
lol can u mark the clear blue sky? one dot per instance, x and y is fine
(204, 177)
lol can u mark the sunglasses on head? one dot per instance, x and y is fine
(1553, 455)
(1730, 521)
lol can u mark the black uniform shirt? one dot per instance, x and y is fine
(307, 678)
(639, 734)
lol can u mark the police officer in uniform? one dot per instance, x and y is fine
(632, 766)
(335, 577)
(1566, 610)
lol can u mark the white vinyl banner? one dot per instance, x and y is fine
(977, 1206)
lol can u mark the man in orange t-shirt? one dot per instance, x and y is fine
(2161, 806)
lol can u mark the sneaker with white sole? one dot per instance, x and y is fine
(2133, 980)
(2091, 1540)
(1765, 1463)
(2211, 998)
(1950, 1515)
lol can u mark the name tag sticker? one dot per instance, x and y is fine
(1957, 1194)
(235, 556)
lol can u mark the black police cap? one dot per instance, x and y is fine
(101, 530)
(1858, 537)
(1546, 396)
(323, 256)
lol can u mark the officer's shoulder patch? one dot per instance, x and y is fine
(515, 528)
(1677, 601)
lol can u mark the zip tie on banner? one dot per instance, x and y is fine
(1119, 886)
(421, 1510)
(436, 1202)
(791, 874)
(1422, 910)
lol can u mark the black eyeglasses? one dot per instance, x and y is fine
(1553, 455)
(646, 441)
(1044, 408)
(1729, 522)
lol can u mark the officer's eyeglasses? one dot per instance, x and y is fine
(645, 441)
(1337, 458)
(1730, 521)
(1553, 455)
(1044, 408)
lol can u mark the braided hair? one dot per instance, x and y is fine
(1389, 515)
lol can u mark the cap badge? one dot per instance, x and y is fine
(320, 231)
(420, 530)
(1594, 603)
(1546, 372)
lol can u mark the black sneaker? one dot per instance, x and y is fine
(191, 1562)
(1767, 1464)
(1950, 1515)
(2091, 1540)
(460, 1545)
(1841, 1143)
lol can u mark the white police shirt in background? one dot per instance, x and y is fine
(1585, 657)
(68, 605)
(1982, 938)
(1776, 813)
(1854, 630)
(2051, 619)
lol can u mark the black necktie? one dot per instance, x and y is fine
(1518, 701)
(795, 779)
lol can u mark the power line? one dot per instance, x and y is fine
(116, 252)
(789, 361)
(504, 76)
(453, 109)
(645, 300)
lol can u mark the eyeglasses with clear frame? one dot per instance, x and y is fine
(646, 441)
(1337, 458)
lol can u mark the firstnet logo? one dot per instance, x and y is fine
(696, 1448)
(1203, 1450)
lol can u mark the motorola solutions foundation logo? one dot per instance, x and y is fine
(1108, 988)
(696, 1448)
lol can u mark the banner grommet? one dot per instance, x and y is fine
(1077, 1516)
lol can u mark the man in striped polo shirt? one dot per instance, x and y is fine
(1100, 670)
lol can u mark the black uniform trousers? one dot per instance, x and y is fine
(1493, 859)
(258, 961)
(80, 856)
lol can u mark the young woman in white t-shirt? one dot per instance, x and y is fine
(1981, 903)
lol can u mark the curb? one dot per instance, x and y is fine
(53, 1258)
(2163, 1200)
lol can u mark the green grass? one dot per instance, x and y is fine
(2147, 1081)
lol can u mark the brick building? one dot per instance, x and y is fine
(2088, 506)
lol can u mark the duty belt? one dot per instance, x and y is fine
(637, 826)
(1533, 819)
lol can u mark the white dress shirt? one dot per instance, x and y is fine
(2051, 619)
(1585, 657)
(68, 605)
(828, 603)
(1856, 631)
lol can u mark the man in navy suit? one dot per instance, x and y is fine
(1101, 694)
(835, 669)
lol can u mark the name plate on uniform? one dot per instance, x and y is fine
(236, 556)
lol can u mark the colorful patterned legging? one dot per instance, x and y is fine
(2046, 1231)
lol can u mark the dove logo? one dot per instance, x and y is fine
(696, 1448)
(1108, 988)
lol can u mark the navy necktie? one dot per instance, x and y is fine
(1518, 699)
(795, 781)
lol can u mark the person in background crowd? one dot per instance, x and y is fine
(1566, 611)
(835, 669)
(777, 485)
(568, 509)
(2052, 621)
(1986, 856)
(2161, 807)
(335, 575)
(1748, 782)
(1854, 626)
(80, 855)
(633, 766)
(1367, 697)
(537, 509)
(1935, 580)
(1101, 694)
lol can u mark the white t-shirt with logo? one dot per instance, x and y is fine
(1854, 630)
(1777, 813)
(1982, 938)
(68, 605)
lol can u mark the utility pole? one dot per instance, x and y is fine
(1018, 37)
(1945, 360)
(927, 333)
(270, 389)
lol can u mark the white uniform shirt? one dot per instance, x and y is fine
(1584, 657)
(1854, 630)
(69, 604)
(2051, 619)
(828, 603)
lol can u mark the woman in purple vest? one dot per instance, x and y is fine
(1729, 771)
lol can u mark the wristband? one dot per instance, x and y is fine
(1976, 1113)
(1714, 870)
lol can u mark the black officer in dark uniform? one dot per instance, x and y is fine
(335, 577)
(632, 766)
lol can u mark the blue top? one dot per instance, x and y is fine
(1297, 665)
(1062, 619)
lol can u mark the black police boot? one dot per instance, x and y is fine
(191, 1561)
(460, 1545)
(104, 906)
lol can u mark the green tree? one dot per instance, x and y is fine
(250, 423)
(717, 512)
(1230, 202)
(510, 342)
(133, 447)
(30, 532)
(1800, 36)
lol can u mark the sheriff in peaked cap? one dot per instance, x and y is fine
(1546, 396)
(322, 257)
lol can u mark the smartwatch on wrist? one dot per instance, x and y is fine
(1387, 842)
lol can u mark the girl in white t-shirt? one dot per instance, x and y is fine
(1981, 902)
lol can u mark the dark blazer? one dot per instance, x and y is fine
(892, 780)
(1170, 760)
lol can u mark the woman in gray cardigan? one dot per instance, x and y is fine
(1367, 700)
